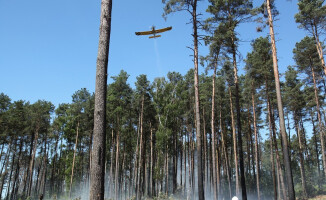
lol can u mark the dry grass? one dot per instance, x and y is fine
(322, 197)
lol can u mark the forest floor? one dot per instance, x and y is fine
(321, 197)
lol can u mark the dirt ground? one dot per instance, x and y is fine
(322, 197)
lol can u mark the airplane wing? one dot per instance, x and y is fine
(144, 33)
(163, 29)
(153, 32)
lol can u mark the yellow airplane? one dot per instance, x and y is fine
(153, 32)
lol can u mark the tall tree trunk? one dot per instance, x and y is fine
(196, 85)
(237, 105)
(99, 133)
(26, 176)
(135, 179)
(302, 170)
(286, 156)
(321, 130)
(218, 169)
(12, 169)
(145, 184)
(256, 143)
(4, 167)
(174, 167)
(90, 158)
(193, 165)
(144, 161)
(185, 163)
(237, 187)
(122, 175)
(116, 184)
(53, 170)
(41, 179)
(208, 162)
(278, 160)
(40, 170)
(189, 161)
(274, 141)
(318, 46)
(152, 164)
(213, 135)
(289, 130)
(252, 148)
(210, 174)
(73, 160)
(204, 150)
(2, 147)
(60, 184)
(181, 156)
(111, 165)
(9, 180)
(166, 171)
(272, 154)
(316, 146)
(248, 145)
(139, 191)
(15, 184)
(37, 179)
(44, 168)
(31, 165)
(226, 159)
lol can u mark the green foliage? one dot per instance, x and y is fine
(311, 15)
(293, 95)
(161, 196)
(175, 5)
(228, 15)
(259, 64)
(307, 59)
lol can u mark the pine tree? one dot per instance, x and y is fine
(295, 101)
(286, 156)
(229, 15)
(191, 7)
(312, 18)
(308, 61)
(99, 134)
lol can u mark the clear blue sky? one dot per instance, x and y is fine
(48, 48)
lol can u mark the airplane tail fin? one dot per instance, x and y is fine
(154, 36)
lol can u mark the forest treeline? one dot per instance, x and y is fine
(248, 134)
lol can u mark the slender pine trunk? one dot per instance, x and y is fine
(256, 143)
(73, 161)
(321, 130)
(135, 179)
(4, 167)
(302, 168)
(18, 162)
(272, 154)
(151, 173)
(53, 170)
(99, 133)
(286, 156)
(116, 184)
(237, 187)
(226, 159)
(111, 165)
(316, 146)
(31, 165)
(274, 142)
(213, 135)
(139, 191)
(196, 85)
(278, 160)
(319, 47)
(204, 149)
